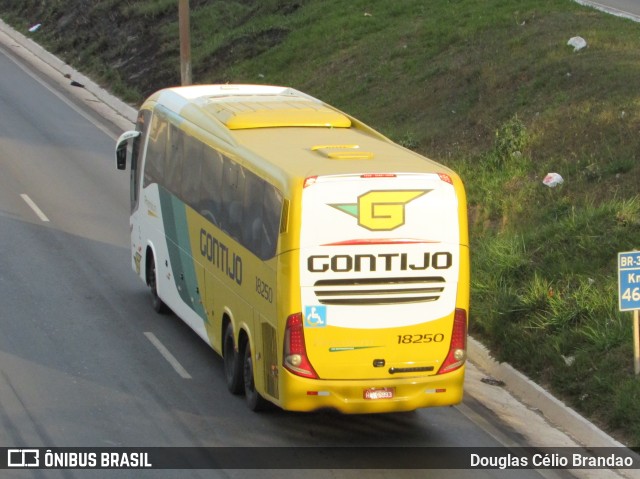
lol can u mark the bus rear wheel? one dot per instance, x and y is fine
(232, 366)
(156, 303)
(254, 400)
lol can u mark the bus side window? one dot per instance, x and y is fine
(232, 198)
(253, 222)
(210, 203)
(190, 183)
(174, 160)
(271, 213)
(154, 164)
(142, 125)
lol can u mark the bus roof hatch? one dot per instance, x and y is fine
(265, 112)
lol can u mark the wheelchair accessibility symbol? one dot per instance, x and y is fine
(315, 316)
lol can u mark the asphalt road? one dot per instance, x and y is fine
(624, 8)
(79, 357)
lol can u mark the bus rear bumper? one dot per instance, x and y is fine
(372, 396)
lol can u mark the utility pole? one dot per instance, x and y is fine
(185, 42)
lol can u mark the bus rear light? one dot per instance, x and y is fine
(436, 391)
(446, 178)
(295, 351)
(317, 393)
(458, 347)
(309, 181)
(378, 175)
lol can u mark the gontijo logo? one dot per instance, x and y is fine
(381, 210)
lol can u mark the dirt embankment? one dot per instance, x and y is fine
(135, 50)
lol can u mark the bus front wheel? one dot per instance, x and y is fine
(157, 304)
(254, 400)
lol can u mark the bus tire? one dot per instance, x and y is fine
(254, 400)
(156, 303)
(232, 366)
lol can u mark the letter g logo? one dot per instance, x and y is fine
(382, 210)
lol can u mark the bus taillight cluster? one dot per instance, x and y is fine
(295, 350)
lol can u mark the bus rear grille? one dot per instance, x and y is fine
(369, 291)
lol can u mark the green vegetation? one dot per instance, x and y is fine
(488, 88)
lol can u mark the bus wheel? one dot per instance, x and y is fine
(157, 304)
(232, 364)
(254, 400)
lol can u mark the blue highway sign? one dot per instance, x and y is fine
(629, 280)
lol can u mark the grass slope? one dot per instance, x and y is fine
(489, 88)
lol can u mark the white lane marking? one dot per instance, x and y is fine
(167, 355)
(609, 9)
(34, 207)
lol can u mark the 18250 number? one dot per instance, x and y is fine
(264, 290)
(420, 338)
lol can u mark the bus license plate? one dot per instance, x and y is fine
(379, 393)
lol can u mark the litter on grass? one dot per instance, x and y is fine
(578, 43)
(552, 180)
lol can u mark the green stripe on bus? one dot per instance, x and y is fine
(176, 229)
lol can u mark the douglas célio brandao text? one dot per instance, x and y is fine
(569, 460)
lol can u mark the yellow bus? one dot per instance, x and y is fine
(327, 265)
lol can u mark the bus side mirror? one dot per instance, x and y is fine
(122, 148)
(121, 156)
